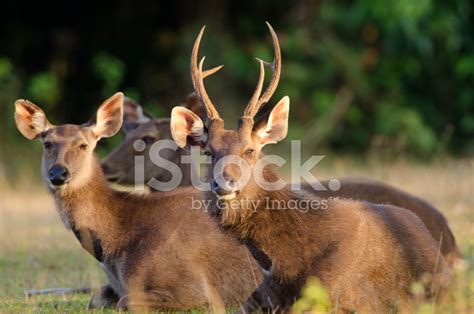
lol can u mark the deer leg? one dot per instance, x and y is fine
(163, 300)
(148, 300)
(274, 296)
(258, 301)
(106, 297)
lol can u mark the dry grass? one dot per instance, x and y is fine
(37, 252)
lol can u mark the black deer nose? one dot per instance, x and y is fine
(58, 175)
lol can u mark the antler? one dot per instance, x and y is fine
(257, 99)
(197, 76)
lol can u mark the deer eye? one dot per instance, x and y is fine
(83, 146)
(47, 145)
(249, 152)
(148, 139)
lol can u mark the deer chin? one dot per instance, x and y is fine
(225, 197)
(116, 178)
(57, 188)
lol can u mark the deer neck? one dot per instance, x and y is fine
(272, 232)
(237, 214)
(186, 168)
(92, 212)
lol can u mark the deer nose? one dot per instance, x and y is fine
(226, 187)
(58, 175)
(105, 168)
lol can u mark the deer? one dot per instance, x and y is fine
(139, 124)
(118, 165)
(157, 252)
(366, 255)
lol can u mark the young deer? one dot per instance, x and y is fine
(366, 255)
(156, 251)
(138, 124)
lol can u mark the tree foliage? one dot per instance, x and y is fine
(390, 76)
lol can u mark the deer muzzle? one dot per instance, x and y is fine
(58, 175)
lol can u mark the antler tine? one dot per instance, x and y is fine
(249, 111)
(211, 71)
(254, 106)
(210, 109)
(197, 77)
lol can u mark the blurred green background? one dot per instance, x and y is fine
(392, 78)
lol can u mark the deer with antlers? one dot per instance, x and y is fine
(156, 251)
(118, 167)
(366, 255)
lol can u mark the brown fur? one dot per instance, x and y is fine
(381, 193)
(366, 255)
(156, 251)
(118, 166)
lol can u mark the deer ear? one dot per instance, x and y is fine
(193, 103)
(273, 127)
(187, 128)
(109, 117)
(133, 115)
(30, 119)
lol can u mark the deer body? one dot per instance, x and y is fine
(157, 243)
(156, 251)
(366, 255)
(118, 167)
(380, 193)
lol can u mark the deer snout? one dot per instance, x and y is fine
(105, 168)
(225, 189)
(110, 174)
(58, 175)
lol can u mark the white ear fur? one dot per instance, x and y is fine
(30, 119)
(109, 117)
(276, 127)
(185, 123)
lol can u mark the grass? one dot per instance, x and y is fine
(37, 252)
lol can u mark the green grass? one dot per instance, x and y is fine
(22, 269)
(48, 304)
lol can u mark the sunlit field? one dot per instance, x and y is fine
(37, 252)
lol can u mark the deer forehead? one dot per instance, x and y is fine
(230, 141)
(68, 133)
(142, 129)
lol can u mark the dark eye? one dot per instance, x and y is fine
(207, 153)
(47, 145)
(83, 146)
(249, 152)
(148, 139)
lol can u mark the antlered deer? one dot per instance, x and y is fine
(156, 251)
(366, 255)
(138, 124)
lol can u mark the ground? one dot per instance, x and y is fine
(37, 252)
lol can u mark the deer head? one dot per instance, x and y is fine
(245, 142)
(68, 150)
(119, 165)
